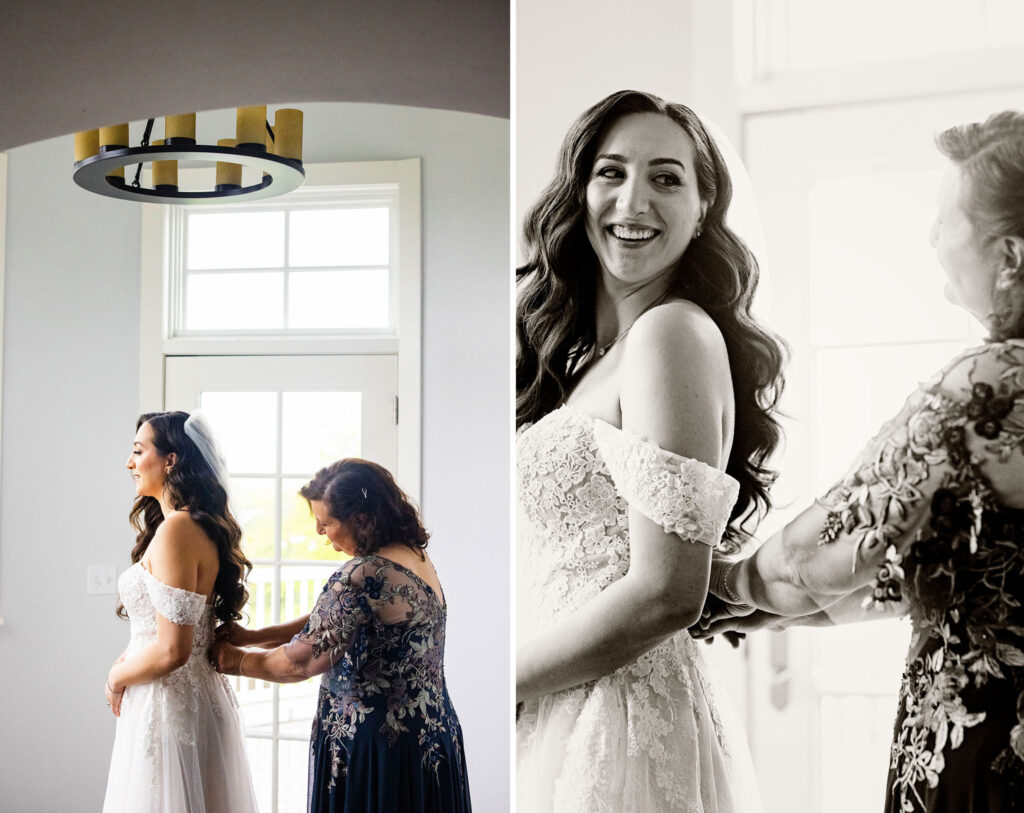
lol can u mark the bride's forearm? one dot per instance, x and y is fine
(152, 662)
(612, 630)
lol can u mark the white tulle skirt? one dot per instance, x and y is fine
(179, 747)
(658, 735)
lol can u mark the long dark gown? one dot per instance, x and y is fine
(386, 738)
(935, 490)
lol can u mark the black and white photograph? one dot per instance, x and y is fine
(769, 387)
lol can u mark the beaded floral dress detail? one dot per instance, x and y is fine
(954, 555)
(652, 736)
(178, 745)
(384, 721)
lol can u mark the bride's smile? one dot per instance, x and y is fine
(642, 202)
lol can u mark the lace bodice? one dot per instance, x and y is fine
(578, 476)
(179, 743)
(650, 736)
(143, 596)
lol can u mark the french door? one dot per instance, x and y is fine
(278, 419)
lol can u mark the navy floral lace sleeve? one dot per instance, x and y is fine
(386, 736)
(940, 491)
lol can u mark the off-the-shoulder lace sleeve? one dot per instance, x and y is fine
(684, 496)
(335, 626)
(182, 607)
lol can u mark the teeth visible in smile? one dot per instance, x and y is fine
(627, 233)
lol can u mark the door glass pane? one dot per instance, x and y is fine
(246, 427)
(869, 257)
(291, 791)
(218, 240)
(319, 428)
(301, 586)
(261, 763)
(297, 707)
(857, 390)
(333, 237)
(256, 697)
(352, 298)
(855, 732)
(235, 301)
(299, 539)
(253, 504)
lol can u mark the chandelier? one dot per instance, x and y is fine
(101, 156)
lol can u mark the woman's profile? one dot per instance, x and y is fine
(385, 738)
(178, 746)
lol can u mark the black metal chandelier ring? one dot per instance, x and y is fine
(280, 175)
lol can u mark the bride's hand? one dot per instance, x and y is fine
(722, 618)
(114, 698)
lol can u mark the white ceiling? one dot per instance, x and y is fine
(73, 65)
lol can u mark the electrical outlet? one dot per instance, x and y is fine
(101, 580)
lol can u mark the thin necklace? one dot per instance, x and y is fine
(604, 348)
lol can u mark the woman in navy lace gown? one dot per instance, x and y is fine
(385, 738)
(930, 519)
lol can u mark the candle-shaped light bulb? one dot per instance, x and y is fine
(288, 133)
(114, 137)
(180, 129)
(165, 173)
(229, 176)
(251, 127)
(87, 143)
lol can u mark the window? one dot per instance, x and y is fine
(318, 261)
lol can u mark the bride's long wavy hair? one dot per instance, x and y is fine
(555, 310)
(193, 486)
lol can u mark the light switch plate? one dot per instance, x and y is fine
(101, 580)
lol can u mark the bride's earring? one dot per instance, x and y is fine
(1007, 278)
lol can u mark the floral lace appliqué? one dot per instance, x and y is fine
(173, 700)
(953, 554)
(384, 631)
(577, 480)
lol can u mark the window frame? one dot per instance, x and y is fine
(758, 90)
(160, 299)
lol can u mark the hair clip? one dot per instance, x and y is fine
(364, 493)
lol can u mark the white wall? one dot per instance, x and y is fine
(70, 386)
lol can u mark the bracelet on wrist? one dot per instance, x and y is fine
(730, 593)
(240, 662)
(726, 591)
(112, 690)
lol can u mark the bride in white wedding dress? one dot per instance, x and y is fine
(178, 746)
(645, 393)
